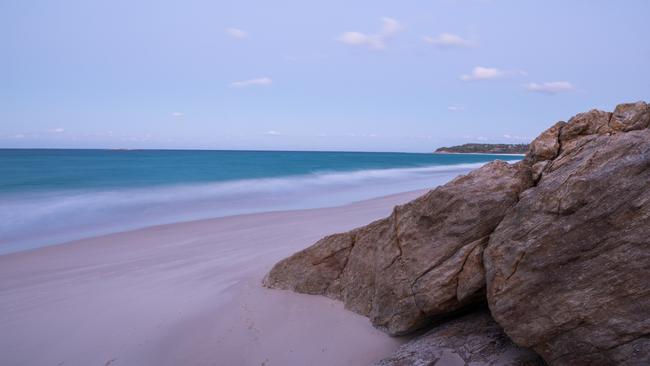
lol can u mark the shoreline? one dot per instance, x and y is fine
(185, 293)
(200, 220)
(49, 216)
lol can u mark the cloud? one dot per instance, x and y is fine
(476, 138)
(273, 133)
(236, 33)
(389, 26)
(552, 87)
(251, 82)
(456, 108)
(357, 39)
(489, 73)
(483, 73)
(375, 41)
(57, 130)
(448, 40)
(515, 137)
(177, 114)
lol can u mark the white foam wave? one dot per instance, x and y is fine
(31, 220)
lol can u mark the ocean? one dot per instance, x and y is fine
(49, 196)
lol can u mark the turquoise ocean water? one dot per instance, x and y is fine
(49, 196)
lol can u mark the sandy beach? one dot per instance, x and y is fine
(186, 293)
(335, 183)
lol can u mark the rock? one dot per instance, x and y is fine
(315, 271)
(558, 243)
(631, 116)
(546, 145)
(538, 168)
(475, 339)
(421, 263)
(568, 268)
(590, 123)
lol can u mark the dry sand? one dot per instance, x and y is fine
(184, 294)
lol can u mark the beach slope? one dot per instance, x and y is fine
(187, 293)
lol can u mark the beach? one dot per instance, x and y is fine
(233, 183)
(185, 293)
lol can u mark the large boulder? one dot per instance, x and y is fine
(559, 242)
(474, 339)
(568, 269)
(421, 263)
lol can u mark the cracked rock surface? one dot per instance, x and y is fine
(474, 339)
(423, 261)
(559, 243)
(568, 269)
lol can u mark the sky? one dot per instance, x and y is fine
(303, 75)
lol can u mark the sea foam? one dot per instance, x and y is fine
(29, 220)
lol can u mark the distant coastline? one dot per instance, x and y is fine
(503, 149)
(476, 153)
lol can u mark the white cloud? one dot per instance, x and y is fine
(236, 33)
(476, 138)
(449, 40)
(483, 73)
(177, 114)
(372, 41)
(389, 27)
(489, 73)
(273, 133)
(552, 87)
(251, 82)
(57, 130)
(456, 108)
(515, 137)
(18, 136)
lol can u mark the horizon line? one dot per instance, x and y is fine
(253, 150)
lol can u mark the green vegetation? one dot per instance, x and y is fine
(486, 149)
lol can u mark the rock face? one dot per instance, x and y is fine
(422, 262)
(568, 269)
(559, 243)
(475, 339)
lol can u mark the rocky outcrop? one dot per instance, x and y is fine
(422, 262)
(474, 339)
(559, 243)
(630, 117)
(568, 269)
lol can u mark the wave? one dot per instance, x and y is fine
(38, 219)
